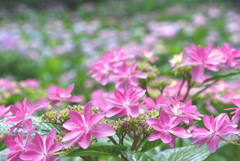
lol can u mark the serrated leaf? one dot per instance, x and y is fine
(43, 127)
(189, 153)
(110, 150)
(150, 145)
(136, 156)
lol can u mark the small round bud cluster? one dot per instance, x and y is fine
(184, 72)
(151, 71)
(160, 83)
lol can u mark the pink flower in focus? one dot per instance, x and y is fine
(165, 126)
(5, 112)
(125, 102)
(185, 111)
(16, 145)
(237, 109)
(149, 56)
(202, 57)
(42, 149)
(22, 111)
(128, 75)
(60, 94)
(218, 127)
(81, 127)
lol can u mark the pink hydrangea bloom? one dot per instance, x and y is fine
(60, 94)
(202, 57)
(165, 126)
(5, 112)
(42, 149)
(125, 102)
(98, 98)
(218, 127)
(237, 109)
(185, 111)
(128, 75)
(16, 145)
(230, 55)
(81, 127)
(22, 111)
(149, 104)
(103, 68)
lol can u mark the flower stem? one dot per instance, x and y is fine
(113, 140)
(180, 89)
(138, 146)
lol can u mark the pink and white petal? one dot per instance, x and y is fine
(96, 118)
(213, 144)
(27, 124)
(88, 112)
(50, 138)
(84, 141)
(74, 98)
(102, 130)
(152, 121)
(154, 136)
(140, 74)
(113, 111)
(53, 96)
(180, 132)
(166, 137)
(69, 89)
(133, 81)
(133, 111)
(72, 126)
(30, 155)
(55, 147)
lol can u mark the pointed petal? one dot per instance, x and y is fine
(27, 124)
(69, 89)
(55, 147)
(84, 140)
(213, 144)
(102, 130)
(74, 98)
(154, 136)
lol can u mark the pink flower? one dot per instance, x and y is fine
(22, 111)
(125, 102)
(202, 57)
(60, 94)
(218, 127)
(42, 149)
(177, 59)
(237, 109)
(149, 56)
(81, 127)
(165, 126)
(16, 145)
(30, 83)
(230, 55)
(128, 75)
(5, 112)
(98, 98)
(151, 105)
(185, 111)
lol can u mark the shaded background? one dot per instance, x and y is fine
(56, 42)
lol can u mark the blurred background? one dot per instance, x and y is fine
(46, 42)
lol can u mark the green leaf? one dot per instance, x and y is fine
(110, 150)
(150, 145)
(189, 153)
(201, 90)
(218, 77)
(2, 146)
(133, 156)
(43, 127)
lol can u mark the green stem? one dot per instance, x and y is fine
(113, 140)
(188, 90)
(66, 105)
(135, 141)
(138, 146)
(180, 142)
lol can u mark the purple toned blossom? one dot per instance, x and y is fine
(42, 149)
(149, 104)
(165, 126)
(16, 145)
(128, 75)
(185, 111)
(22, 111)
(63, 95)
(202, 57)
(218, 127)
(125, 102)
(5, 112)
(82, 127)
